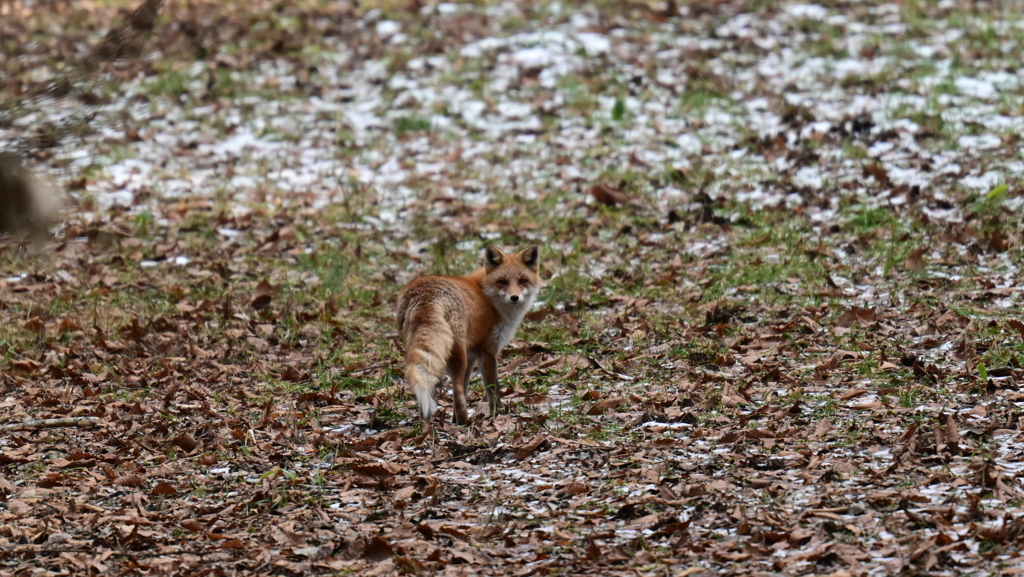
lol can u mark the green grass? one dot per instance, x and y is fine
(407, 124)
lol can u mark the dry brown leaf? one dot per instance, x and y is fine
(575, 488)
(601, 407)
(821, 428)
(164, 489)
(915, 260)
(880, 175)
(855, 315)
(377, 550)
(608, 196)
(852, 394)
(186, 442)
(380, 470)
(538, 442)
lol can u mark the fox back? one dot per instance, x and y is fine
(449, 324)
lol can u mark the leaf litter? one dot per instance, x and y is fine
(780, 332)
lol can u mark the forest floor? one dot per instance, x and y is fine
(780, 330)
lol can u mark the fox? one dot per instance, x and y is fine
(450, 324)
(27, 205)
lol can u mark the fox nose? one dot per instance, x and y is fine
(514, 298)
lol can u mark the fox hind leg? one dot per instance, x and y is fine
(458, 368)
(470, 365)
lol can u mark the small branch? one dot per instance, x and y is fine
(368, 369)
(50, 423)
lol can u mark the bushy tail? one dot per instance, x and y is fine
(427, 350)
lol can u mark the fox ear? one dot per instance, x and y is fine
(530, 256)
(493, 257)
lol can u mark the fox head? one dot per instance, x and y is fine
(511, 278)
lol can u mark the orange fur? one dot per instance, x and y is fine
(450, 324)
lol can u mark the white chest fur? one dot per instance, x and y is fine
(511, 317)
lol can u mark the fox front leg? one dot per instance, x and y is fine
(490, 374)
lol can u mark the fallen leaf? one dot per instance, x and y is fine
(876, 171)
(377, 550)
(163, 489)
(186, 442)
(608, 196)
(538, 442)
(379, 470)
(601, 407)
(915, 260)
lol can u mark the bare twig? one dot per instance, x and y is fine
(367, 369)
(50, 423)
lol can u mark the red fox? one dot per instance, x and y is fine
(449, 324)
(26, 204)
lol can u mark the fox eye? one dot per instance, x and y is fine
(503, 282)
(524, 281)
